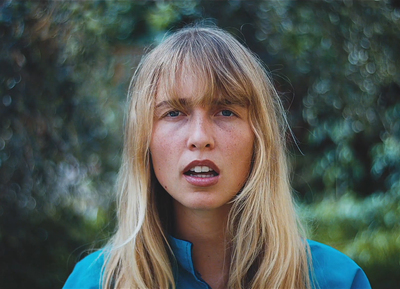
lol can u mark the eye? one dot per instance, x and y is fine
(173, 113)
(226, 112)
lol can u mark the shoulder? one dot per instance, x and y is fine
(333, 269)
(87, 272)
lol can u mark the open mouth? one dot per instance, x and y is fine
(201, 172)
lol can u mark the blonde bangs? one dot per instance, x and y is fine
(217, 76)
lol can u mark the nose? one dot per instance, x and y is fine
(200, 135)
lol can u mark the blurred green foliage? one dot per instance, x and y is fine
(64, 71)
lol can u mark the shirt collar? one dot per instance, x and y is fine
(183, 253)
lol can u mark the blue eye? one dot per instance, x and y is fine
(226, 112)
(173, 113)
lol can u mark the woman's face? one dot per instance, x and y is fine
(201, 154)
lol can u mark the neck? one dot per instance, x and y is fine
(203, 225)
(206, 229)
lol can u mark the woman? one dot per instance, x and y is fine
(204, 197)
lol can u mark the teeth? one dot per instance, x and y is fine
(201, 169)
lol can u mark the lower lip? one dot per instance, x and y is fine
(202, 182)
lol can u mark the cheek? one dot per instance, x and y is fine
(240, 149)
(158, 162)
(157, 146)
(162, 148)
(242, 143)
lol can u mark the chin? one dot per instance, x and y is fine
(205, 204)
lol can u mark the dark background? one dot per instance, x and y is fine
(64, 71)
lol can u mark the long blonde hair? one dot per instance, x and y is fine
(268, 248)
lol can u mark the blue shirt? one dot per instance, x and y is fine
(332, 269)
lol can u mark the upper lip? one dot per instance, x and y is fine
(207, 163)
